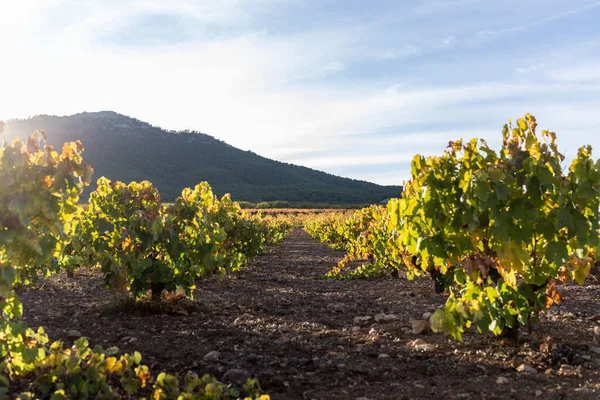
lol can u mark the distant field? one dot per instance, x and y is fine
(294, 211)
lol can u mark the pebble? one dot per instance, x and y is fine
(420, 344)
(212, 356)
(595, 350)
(427, 315)
(356, 329)
(385, 318)
(566, 369)
(383, 356)
(528, 369)
(362, 320)
(73, 334)
(419, 327)
(501, 380)
(237, 377)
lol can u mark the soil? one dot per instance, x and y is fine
(277, 321)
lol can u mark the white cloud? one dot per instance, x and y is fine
(486, 33)
(530, 68)
(269, 93)
(589, 72)
(447, 42)
(334, 66)
(401, 52)
(353, 160)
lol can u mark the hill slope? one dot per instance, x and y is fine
(126, 149)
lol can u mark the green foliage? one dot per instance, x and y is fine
(56, 372)
(142, 245)
(39, 189)
(326, 228)
(497, 229)
(511, 222)
(364, 235)
(127, 233)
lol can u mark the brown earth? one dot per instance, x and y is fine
(277, 321)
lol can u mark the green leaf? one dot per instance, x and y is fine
(557, 252)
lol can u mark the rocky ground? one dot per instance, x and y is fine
(306, 338)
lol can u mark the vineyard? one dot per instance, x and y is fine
(479, 281)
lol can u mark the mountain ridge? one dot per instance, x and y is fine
(127, 149)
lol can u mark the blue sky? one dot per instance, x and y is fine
(355, 88)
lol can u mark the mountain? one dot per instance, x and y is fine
(126, 149)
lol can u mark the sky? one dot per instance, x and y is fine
(353, 87)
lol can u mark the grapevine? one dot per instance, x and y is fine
(39, 190)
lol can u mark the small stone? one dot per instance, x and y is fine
(501, 380)
(538, 393)
(372, 331)
(125, 339)
(356, 329)
(133, 339)
(383, 356)
(419, 327)
(236, 377)
(427, 315)
(379, 318)
(73, 334)
(595, 350)
(528, 369)
(362, 320)
(566, 369)
(420, 344)
(212, 356)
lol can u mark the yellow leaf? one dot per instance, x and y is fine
(48, 181)
(110, 363)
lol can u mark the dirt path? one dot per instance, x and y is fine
(277, 321)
